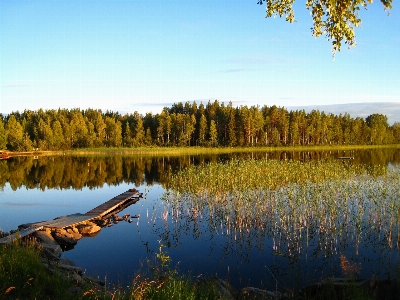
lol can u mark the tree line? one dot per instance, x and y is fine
(188, 124)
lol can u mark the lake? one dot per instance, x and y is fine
(259, 255)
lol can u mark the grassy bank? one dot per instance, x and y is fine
(24, 276)
(176, 151)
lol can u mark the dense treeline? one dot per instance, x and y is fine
(190, 124)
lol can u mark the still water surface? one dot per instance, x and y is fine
(49, 187)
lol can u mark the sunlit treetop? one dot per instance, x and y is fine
(334, 18)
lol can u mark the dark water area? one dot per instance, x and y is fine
(33, 190)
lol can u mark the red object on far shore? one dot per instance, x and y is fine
(4, 155)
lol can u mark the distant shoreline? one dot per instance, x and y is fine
(156, 151)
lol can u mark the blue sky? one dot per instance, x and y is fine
(138, 55)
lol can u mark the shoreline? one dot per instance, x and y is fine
(161, 151)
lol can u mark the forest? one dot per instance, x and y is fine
(188, 124)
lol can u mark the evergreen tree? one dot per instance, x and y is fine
(202, 130)
(58, 136)
(232, 129)
(113, 132)
(190, 122)
(139, 130)
(294, 131)
(147, 139)
(213, 134)
(396, 132)
(128, 141)
(79, 131)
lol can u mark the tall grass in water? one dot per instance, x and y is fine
(325, 206)
(249, 175)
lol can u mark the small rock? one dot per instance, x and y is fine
(51, 249)
(76, 277)
(252, 293)
(73, 269)
(75, 290)
(88, 229)
(65, 238)
(224, 289)
(72, 230)
(93, 280)
(66, 261)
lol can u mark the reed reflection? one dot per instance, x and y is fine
(331, 212)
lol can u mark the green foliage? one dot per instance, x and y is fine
(23, 276)
(213, 134)
(15, 134)
(213, 125)
(180, 288)
(3, 135)
(167, 283)
(378, 125)
(396, 132)
(336, 19)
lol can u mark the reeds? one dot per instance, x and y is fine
(319, 204)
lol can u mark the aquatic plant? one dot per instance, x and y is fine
(217, 178)
(318, 207)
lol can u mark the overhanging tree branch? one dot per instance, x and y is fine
(336, 19)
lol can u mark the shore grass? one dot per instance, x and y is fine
(177, 151)
(23, 276)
